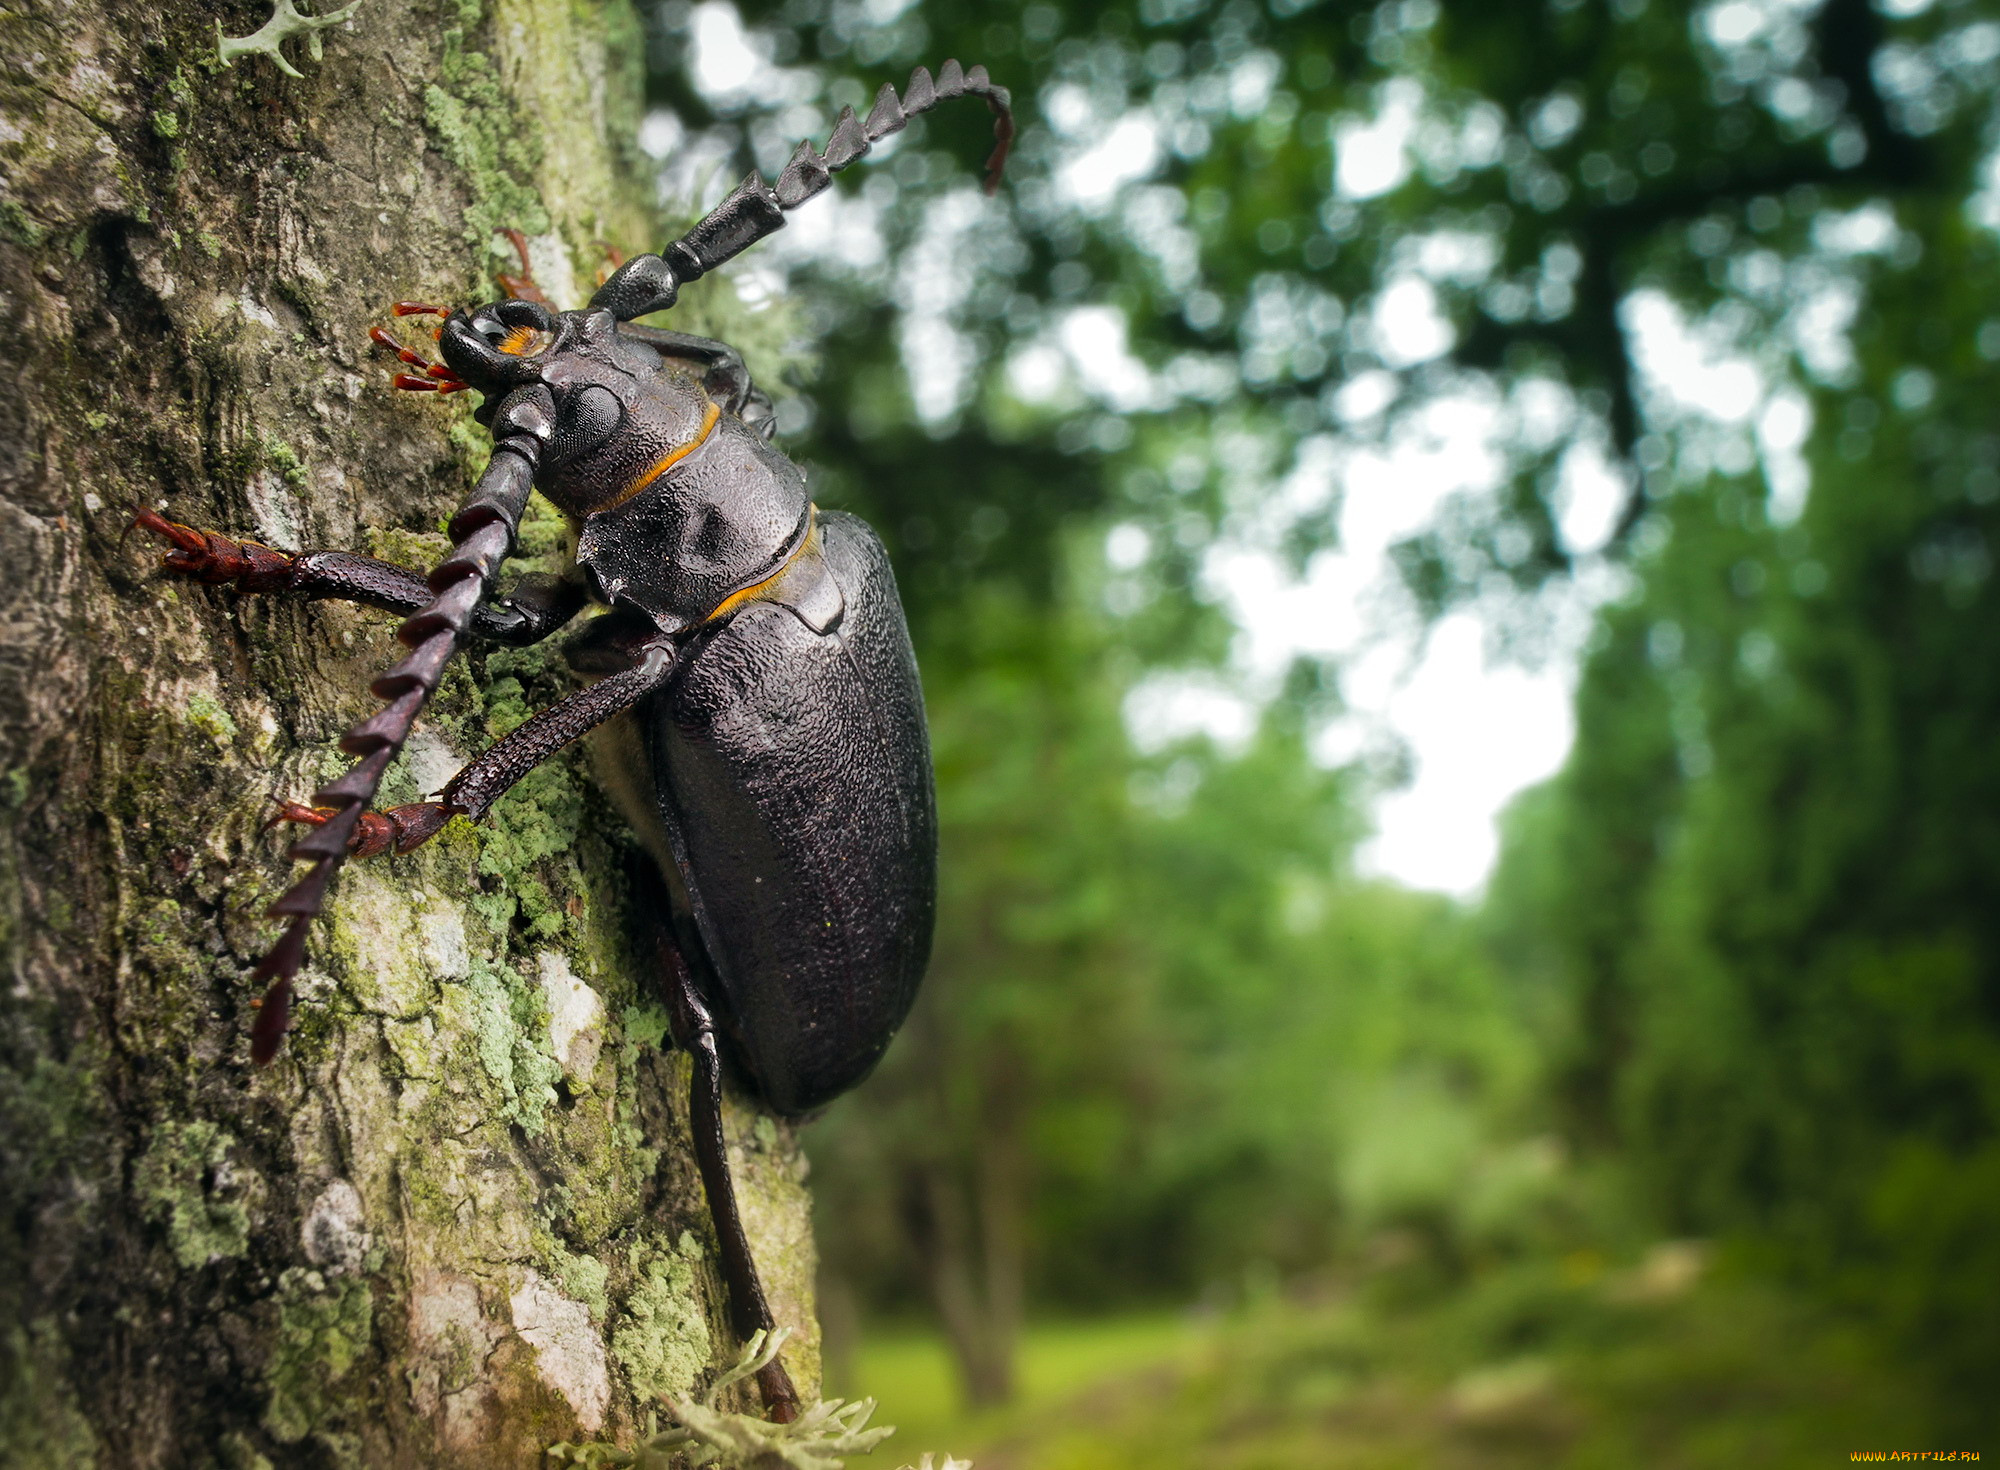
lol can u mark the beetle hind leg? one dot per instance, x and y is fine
(694, 1032)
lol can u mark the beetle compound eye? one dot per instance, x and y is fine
(522, 341)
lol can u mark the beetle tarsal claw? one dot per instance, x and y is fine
(400, 829)
(208, 556)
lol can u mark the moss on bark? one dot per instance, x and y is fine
(458, 1220)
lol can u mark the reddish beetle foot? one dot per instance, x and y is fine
(781, 1400)
(436, 377)
(399, 830)
(522, 287)
(209, 557)
(613, 258)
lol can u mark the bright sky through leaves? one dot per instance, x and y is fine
(1474, 723)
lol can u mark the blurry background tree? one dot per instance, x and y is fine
(1690, 317)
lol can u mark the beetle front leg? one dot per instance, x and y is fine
(212, 558)
(400, 829)
(528, 612)
(482, 535)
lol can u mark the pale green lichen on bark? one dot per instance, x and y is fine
(239, 1454)
(286, 23)
(207, 715)
(493, 144)
(324, 1329)
(284, 459)
(706, 1435)
(176, 1178)
(55, 1106)
(661, 1338)
(511, 1023)
(644, 1024)
(39, 1414)
(583, 1277)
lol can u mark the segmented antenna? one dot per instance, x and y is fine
(808, 172)
(482, 535)
(651, 282)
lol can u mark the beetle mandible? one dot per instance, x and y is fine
(754, 677)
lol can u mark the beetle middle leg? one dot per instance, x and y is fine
(523, 287)
(472, 792)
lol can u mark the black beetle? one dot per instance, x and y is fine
(766, 728)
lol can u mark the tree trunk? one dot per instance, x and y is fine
(458, 1219)
(967, 1235)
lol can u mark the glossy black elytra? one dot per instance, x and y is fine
(762, 723)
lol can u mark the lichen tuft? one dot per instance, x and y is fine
(499, 152)
(510, 1027)
(209, 717)
(41, 1423)
(285, 23)
(582, 1277)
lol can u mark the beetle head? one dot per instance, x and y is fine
(496, 347)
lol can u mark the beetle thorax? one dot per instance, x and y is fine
(622, 419)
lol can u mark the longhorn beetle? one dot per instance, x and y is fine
(752, 668)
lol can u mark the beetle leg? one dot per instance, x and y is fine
(725, 376)
(436, 377)
(613, 258)
(399, 830)
(475, 789)
(749, 1311)
(482, 534)
(530, 611)
(472, 792)
(213, 558)
(522, 287)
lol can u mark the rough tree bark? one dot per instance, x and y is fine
(458, 1219)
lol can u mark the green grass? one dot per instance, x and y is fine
(911, 1376)
(1528, 1368)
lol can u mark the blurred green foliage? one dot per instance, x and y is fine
(1766, 880)
(1738, 974)
(1531, 1368)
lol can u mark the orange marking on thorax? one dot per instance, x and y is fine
(665, 462)
(735, 600)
